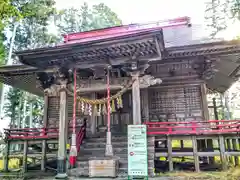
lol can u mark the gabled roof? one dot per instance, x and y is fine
(110, 44)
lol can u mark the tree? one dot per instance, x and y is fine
(32, 33)
(85, 18)
(219, 13)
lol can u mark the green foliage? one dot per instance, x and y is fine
(85, 18)
(12, 106)
(32, 32)
(235, 9)
(7, 11)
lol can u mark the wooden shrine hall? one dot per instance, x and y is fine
(157, 74)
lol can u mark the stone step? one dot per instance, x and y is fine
(115, 143)
(103, 139)
(97, 144)
(101, 150)
(120, 155)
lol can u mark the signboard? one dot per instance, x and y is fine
(137, 150)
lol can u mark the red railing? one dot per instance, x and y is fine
(33, 133)
(193, 127)
(81, 135)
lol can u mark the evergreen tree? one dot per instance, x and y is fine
(219, 13)
(85, 18)
(32, 32)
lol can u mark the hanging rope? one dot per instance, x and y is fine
(103, 100)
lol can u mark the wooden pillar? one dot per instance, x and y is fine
(45, 124)
(6, 156)
(222, 152)
(236, 160)
(25, 151)
(215, 109)
(62, 140)
(169, 146)
(93, 118)
(228, 141)
(204, 102)
(195, 154)
(136, 103)
(210, 146)
(145, 104)
(182, 147)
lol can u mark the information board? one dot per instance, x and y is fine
(137, 150)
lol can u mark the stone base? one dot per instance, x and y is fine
(61, 169)
(109, 148)
(61, 176)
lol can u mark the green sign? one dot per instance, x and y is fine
(137, 150)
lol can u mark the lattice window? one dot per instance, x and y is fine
(180, 101)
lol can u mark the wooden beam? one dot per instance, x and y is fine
(136, 103)
(195, 154)
(204, 101)
(145, 104)
(63, 119)
(236, 158)
(169, 146)
(45, 124)
(6, 156)
(222, 152)
(25, 151)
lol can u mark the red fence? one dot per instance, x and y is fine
(194, 127)
(33, 133)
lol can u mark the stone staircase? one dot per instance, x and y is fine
(95, 148)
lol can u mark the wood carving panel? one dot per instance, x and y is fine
(173, 69)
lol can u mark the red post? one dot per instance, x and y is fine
(73, 149)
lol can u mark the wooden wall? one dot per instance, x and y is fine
(181, 95)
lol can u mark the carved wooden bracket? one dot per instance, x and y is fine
(54, 89)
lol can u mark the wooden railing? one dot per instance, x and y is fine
(43, 133)
(193, 127)
(81, 135)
